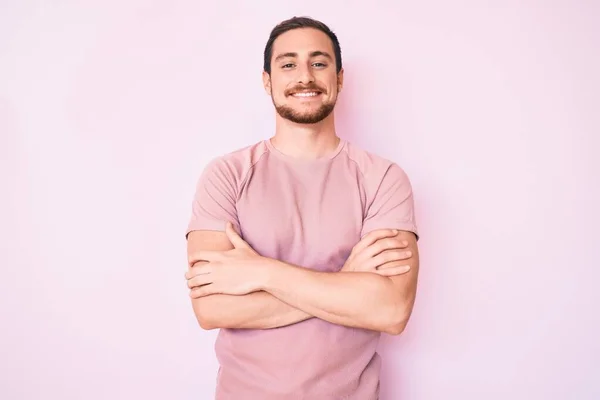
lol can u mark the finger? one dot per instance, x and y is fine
(388, 257)
(383, 245)
(235, 239)
(395, 254)
(393, 271)
(199, 280)
(202, 291)
(372, 237)
(199, 264)
(198, 269)
(204, 255)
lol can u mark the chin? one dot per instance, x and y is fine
(307, 114)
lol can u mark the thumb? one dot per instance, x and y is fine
(235, 239)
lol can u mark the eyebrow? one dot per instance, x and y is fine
(312, 54)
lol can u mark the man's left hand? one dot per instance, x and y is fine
(235, 272)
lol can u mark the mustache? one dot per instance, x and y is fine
(305, 88)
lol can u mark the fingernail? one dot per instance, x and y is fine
(395, 231)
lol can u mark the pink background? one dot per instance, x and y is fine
(109, 110)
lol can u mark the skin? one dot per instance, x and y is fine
(376, 287)
(303, 70)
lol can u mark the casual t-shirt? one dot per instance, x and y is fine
(309, 213)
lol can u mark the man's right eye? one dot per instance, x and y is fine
(287, 66)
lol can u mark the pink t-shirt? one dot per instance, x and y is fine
(308, 213)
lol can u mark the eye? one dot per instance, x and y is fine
(319, 65)
(287, 66)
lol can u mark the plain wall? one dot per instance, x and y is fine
(110, 110)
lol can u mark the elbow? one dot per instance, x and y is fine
(205, 317)
(396, 323)
(206, 323)
(211, 313)
(395, 329)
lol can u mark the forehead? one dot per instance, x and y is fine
(302, 41)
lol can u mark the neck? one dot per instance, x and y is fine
(305, 140)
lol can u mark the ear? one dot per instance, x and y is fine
(266, 78)
(340, 80)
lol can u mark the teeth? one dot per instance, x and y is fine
(306, 94)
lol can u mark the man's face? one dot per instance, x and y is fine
(303, 83)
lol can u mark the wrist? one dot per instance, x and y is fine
(267, 271)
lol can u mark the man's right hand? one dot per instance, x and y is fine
(381, 252)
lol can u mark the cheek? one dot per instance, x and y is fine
(277, 89)
(331, 83)
(278, 83)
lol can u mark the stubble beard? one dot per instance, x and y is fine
(308, 117)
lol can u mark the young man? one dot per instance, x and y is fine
(302, 248)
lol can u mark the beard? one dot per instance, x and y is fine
(306, 117)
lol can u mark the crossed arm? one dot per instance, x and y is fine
(290, 294)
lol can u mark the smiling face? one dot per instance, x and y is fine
(303, 82)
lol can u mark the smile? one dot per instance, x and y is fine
(306, 94)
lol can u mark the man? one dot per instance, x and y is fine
(302, 248)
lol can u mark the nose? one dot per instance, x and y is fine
(305, 75)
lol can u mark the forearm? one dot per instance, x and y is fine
(356, 299)
(258, 310)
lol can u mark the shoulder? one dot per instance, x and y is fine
(236, 164)
(373, 167)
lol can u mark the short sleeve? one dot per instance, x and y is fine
(214, 202)
(393, 204)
